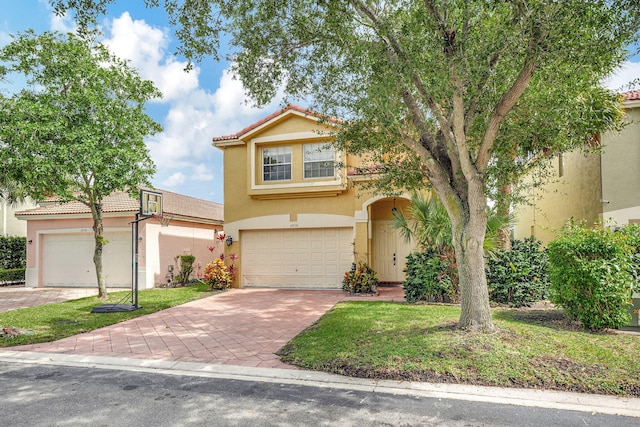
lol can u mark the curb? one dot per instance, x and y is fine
(595, 404)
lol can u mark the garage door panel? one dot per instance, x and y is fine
(67, 260)
(309, 258)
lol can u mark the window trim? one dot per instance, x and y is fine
(323, 147)
(277, 154)
(254, 154)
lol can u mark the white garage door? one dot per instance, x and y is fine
(68, 260)
(304, 258)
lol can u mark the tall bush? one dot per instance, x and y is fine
(518, 277)
(632, 232)
(589, 270)
(427, 278)
(13, 252)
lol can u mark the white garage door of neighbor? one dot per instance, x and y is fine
(68, 260)
(303, 258)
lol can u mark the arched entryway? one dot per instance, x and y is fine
(388, 248)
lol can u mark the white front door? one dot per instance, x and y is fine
(390, 252)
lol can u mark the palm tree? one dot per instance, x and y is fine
(428, 224)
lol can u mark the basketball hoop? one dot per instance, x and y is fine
(164, 219)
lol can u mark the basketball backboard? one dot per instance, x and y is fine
(150, 203)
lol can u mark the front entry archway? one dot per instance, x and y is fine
(389, 249)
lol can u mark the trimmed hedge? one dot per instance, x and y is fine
(518, 277)
(12, 275)
(13, 252)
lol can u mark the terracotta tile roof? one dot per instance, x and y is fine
(267, 119)
(173, 203)
(632, 95)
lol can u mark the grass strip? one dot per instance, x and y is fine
(533, 349)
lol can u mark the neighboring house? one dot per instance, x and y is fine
(9, 224)
(590, 187)
(296, 219)
(60, 242)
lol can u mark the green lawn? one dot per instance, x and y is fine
(533, 349)
(52, 322)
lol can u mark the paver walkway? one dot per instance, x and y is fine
(238, 327)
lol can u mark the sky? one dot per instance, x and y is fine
(197, 106)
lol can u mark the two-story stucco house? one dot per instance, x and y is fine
(602, 187)
(297, 220)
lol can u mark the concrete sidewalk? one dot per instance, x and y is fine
(242, 327)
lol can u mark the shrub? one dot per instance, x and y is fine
(632, 233)
(13, 252)
(12, 275)
(186, 268)
(518, 277)
(361, 279)
(590, 276)
(217, 275)
(427, 278)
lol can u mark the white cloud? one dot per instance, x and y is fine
(194, 120)
(175, 180)
(183, 152)
(620, 79)
(64, 23)
(146, 48)
(202, 172)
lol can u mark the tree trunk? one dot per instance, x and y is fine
(468, 226)
(98, 230)
(504, 210)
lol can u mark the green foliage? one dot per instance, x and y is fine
(12, 275)
(632, 232)
(217, 275)
(77, 129)
(427, 278)
(429, 225)
(590, 276)
(13, 252)
(186, 268)
(361, 279)
(518, 277)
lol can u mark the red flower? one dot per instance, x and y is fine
(221, 237)
(211, 248)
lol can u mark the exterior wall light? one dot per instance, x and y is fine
(229, 240)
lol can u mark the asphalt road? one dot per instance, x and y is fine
(52, 395)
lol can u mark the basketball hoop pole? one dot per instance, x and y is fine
(138, 220)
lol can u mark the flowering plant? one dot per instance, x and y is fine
(217, 274)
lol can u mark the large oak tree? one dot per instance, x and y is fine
(76, 131)
(439, 93)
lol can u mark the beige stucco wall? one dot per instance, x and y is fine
(9, 224)
(621, 171)
(576, 194)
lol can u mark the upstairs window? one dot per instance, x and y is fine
(319, 160)
(276, 163)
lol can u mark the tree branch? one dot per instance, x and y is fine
(506, 103)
